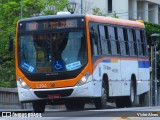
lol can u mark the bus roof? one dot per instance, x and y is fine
(46, 17)
(93, 18)
(115, 21)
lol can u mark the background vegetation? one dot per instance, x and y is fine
(150, 29)
(10, 14)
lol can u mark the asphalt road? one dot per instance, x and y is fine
(137, 113)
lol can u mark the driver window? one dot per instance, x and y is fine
(28, 52)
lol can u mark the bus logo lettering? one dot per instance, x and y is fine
(41, 85)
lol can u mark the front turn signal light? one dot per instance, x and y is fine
(84, 79)
(22, 83)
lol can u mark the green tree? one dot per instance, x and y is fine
(97, 11)
(32, 7)
(150, 29)
(114, 15)
(54, 6)
(9, 15)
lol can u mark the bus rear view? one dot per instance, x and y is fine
(51, 60)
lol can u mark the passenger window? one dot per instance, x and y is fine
(108, 41)
(94, 42)
(126, 40)
(112, 38)
(138, 39)
(134, 42)
(103, 40)
(116, 40)
(131, 42)
(122, 42)
(143, 42)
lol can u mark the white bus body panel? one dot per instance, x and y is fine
(128, 67)
(119, 74)
(143, 84)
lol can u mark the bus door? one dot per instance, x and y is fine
(95, 56)
(112, 61)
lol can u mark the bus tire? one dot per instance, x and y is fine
(101, 102)
(132, 99)
(75, 105)
(39, 106)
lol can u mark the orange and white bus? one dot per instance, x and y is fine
(75, 59)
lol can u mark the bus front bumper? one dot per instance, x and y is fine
(26, 95)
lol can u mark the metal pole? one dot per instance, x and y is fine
(155, 51)
(155, 37)
(152, 75)
(21, 10)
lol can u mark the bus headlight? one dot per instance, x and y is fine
(23, 84)
(83, 79)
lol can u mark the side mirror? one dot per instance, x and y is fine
(10, 44)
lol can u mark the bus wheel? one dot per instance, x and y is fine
(39, 106)
(101, 103)
(131, 100)
(75, 105)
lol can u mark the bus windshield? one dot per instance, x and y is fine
(52, 52)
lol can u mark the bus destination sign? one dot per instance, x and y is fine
(47, 25)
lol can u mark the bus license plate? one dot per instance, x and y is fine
(56, 96)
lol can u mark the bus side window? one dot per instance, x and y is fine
(108, 41)
(126, 40)
(138, 38)
(94, 42)
(143, 42)
(103, 40)
(146, 45)
(134, 42)
(116, 40)
(131, 43)
(122, 42)
(112, 38)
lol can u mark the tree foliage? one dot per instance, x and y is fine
(114, 15)
(97, 11)
(150, 29)
(10, 13)
(54, 6)
(32, 7)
